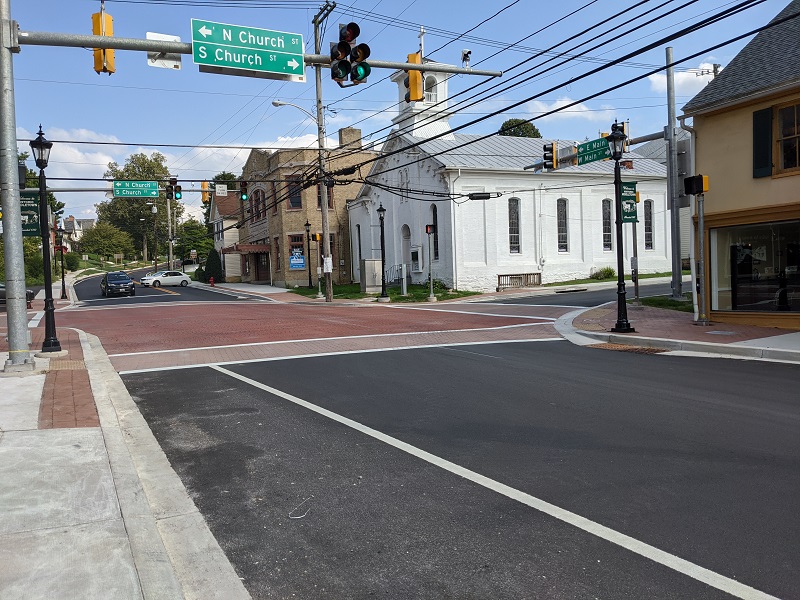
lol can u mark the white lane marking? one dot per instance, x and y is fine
(34, 322)
(526, 305)
(337, 353)
(671, 561)
(467, 312)
(346, 337)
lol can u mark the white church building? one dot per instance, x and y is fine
(538, 227)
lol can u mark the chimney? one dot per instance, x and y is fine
(350, 137)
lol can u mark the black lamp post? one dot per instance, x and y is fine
(60, 232)
(41, 153)
(616, 141)
(381, 212)
(308, 242)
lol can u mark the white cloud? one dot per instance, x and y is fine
(580, 111)
(687, 83)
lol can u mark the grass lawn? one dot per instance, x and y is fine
(614, 278)
(416, 293)
(668, 302)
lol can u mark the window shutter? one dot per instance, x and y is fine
(762, 143)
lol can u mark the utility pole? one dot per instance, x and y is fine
(19, 355)
(327, 260)
(672, 181)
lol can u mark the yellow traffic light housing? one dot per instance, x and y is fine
(103, 25)
(413, 80)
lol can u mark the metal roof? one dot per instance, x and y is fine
(770, 61)
(508, 153)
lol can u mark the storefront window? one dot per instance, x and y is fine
(755, 267)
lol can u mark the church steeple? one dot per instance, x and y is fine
(426, 118)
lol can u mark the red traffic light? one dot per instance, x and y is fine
(348, 33)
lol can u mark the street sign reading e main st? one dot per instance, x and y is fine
(594, 150)
(248, 51)
(135, 189)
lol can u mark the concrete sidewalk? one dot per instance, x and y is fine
(91, 508)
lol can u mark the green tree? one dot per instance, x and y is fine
(32, 182)
(192, 235)
(106, 240)
(133, 215)
(519, 128)
(213, 266)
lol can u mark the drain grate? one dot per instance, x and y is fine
(626, 348)
(66, 365)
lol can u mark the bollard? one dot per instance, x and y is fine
(211, 281)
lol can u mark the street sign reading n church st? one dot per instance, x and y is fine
(249, 51)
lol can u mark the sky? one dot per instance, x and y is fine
(141, 107)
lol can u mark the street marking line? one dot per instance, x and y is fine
(643, 549)
(345, 337)
(34, 322)
(337, 353)
(467, 312)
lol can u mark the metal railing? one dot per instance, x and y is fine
(518, 280)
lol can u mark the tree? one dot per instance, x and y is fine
(32, 182)
(133, 215)
(192, 235)
(213, 266)
(519, 128)
(106, 240)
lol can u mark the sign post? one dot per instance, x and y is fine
(247, 51)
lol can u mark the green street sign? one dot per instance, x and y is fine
(135, 189)
(595, 150)
(29, 207)
(249, 51)
(629, 202)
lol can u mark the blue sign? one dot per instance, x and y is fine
(297, 261)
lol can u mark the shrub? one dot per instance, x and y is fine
(199, 275)
(34, 266)
(213, 266)
(72, 260)
(604, 273)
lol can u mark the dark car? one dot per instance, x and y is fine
(28, 295)
(116, 283)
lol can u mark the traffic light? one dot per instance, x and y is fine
(413, 80)
(695, 185)
(549, 156)
(170, 189)
(348, 58)
(173, 189)
(204, 194)
(103, 24)
(178, 193)
(340, 65)
(243, 191)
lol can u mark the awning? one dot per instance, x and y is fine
(247, 249)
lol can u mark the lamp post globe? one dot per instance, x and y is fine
(616, 143)
(41, 154)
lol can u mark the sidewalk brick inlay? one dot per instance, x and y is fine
(67, 401)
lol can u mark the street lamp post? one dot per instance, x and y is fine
(616, 143)
(41, 153)
(308, 243)
(60, 232)
(384, 297)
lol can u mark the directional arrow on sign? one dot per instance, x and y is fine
(293, 63)
(204, 31)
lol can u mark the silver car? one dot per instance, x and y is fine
(160, 278)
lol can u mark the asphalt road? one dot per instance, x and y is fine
(696, 461)
(592, 297)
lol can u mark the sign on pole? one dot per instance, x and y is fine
(297, 260)
(29, 207)
(595, 150)
(221, 189)
(163, 60)
(135, 189)
(248, 51)
(629, 202)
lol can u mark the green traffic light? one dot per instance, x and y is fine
(360, 72)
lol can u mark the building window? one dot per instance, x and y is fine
(789, 138)
(278, 257)
(755, 267)
(430, 90)
(294, 192)
(648, 224)
(607, 245)
(561, 218)
(251, 208)
(296, 252)
(319, 196)
(435, 223)
(513, 225)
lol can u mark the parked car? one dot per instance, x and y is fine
(166, 278)
(28, 295)
(117, 282)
